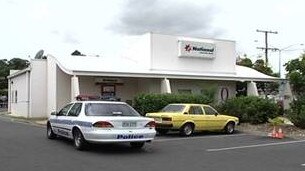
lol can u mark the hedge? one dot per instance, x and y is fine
(296, 113)
(146, 103)
(251, 109)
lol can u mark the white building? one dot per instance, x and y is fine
(155, 64)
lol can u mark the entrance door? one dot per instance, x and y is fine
(108, 91)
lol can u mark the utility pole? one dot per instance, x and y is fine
(266, 48)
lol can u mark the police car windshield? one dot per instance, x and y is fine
(173, 108)
(104, 109)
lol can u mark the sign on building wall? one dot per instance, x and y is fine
(109, 80)
(196, 49)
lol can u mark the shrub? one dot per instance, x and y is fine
(277, 121)
(296, 113)
(250, 109)
(145, 103)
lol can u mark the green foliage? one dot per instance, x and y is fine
(296, 74)
(5, 67)
(250, 109)
(209, 92)
(259, 65)
(18, 64)
(245, 62)
(297, 112)
(276, 121)
(145, 103)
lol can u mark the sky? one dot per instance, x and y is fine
(103, 27)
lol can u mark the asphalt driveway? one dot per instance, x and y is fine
(25, 147)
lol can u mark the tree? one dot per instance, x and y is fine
(5, 67)
(4, 71)
(296, 76)
(245, 62)
(241, 87)
(18, 64)
(77, 53)
(259, 65)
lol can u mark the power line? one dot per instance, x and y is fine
(266, 48)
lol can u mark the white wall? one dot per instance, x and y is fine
(139, 50)
(20, 84)
(87, 86)
(38, 88)
(127, 91)
(51, 84)
(165, 56)
(63, 89)
(230, 85)
(149, 85)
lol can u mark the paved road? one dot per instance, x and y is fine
(25, 147)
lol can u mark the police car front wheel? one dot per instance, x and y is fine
(50, 133)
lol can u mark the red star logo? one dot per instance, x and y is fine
(188, 48)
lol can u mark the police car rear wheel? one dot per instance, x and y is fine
(50, 133)
(137, 145)
(79, 141)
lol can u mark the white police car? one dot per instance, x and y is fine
(101, 122)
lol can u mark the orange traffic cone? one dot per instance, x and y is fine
(280, 133)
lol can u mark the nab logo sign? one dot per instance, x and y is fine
(196, 49)
(188, 47)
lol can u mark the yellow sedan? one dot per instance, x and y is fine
(188, 118)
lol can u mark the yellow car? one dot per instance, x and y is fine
(188, 118)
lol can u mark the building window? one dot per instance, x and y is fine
(16, 96)
(184, 91)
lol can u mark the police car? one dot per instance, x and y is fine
(101, 122)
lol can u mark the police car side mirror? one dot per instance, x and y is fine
(54, 113)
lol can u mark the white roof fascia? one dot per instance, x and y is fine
(67, 71)
(87, 67)
(173, 76)
(15, 74)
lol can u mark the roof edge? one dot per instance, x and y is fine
(28, 69)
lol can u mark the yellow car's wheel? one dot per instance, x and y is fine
(187, 129)
(230, 128)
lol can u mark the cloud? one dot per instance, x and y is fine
(70, 38)
(55, 32)
(67, 36)
(167, 17)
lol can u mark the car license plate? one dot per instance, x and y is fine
(129, 124)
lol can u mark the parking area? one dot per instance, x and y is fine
(29, 149)
(234, 152)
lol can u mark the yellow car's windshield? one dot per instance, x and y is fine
(173, 108)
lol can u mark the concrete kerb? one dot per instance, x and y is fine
(34, 121)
